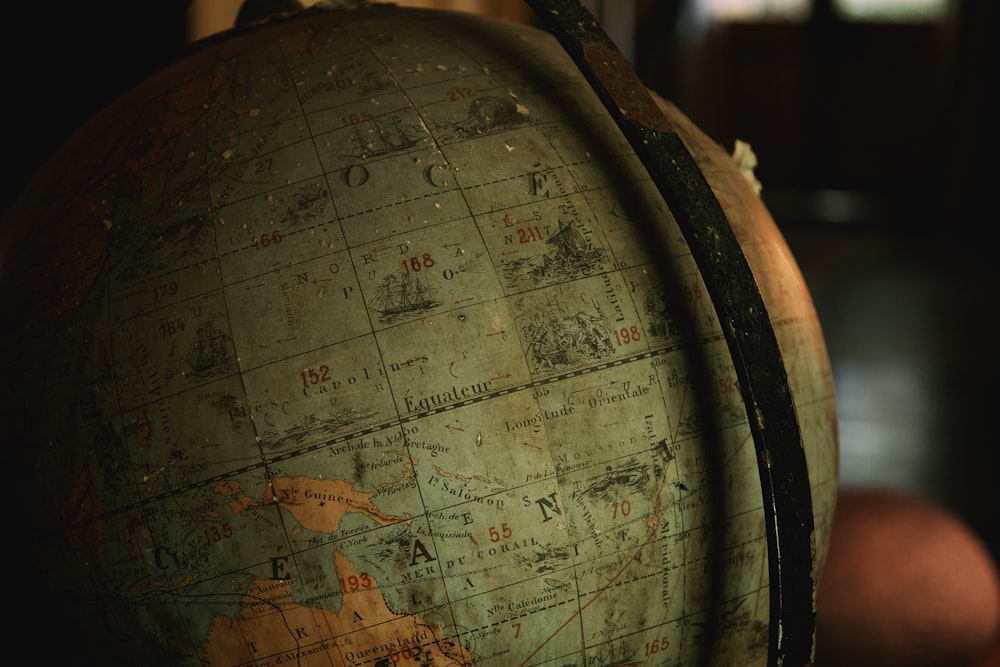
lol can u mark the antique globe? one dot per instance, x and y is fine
(363, 337)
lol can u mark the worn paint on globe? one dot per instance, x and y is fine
(347, 342)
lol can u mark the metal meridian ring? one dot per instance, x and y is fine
(741, 311)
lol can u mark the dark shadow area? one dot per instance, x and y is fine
(64, 62)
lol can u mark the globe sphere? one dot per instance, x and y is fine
(362, 337)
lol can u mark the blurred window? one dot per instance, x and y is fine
(757, 10)
(901, 11)
(895, 11)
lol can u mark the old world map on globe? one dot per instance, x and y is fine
(343, 346)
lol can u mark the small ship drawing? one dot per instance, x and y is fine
(569, 255)
(209, 354)
(403, 294)
(568, 241)
(378, 137)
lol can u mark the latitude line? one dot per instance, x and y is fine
(399, 421)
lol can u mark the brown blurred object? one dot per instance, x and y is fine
(991, 658)
(207, 17)
(906, 583)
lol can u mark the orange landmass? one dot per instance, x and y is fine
(317, 504)
(273, 629)
(82, 503)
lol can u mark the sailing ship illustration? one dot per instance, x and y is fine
(209, 354)
(377, 137)
(568, 241)
(568, 255)
(570, 252)
(402, 294)
(616, 652)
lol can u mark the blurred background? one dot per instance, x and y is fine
(869, 120)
